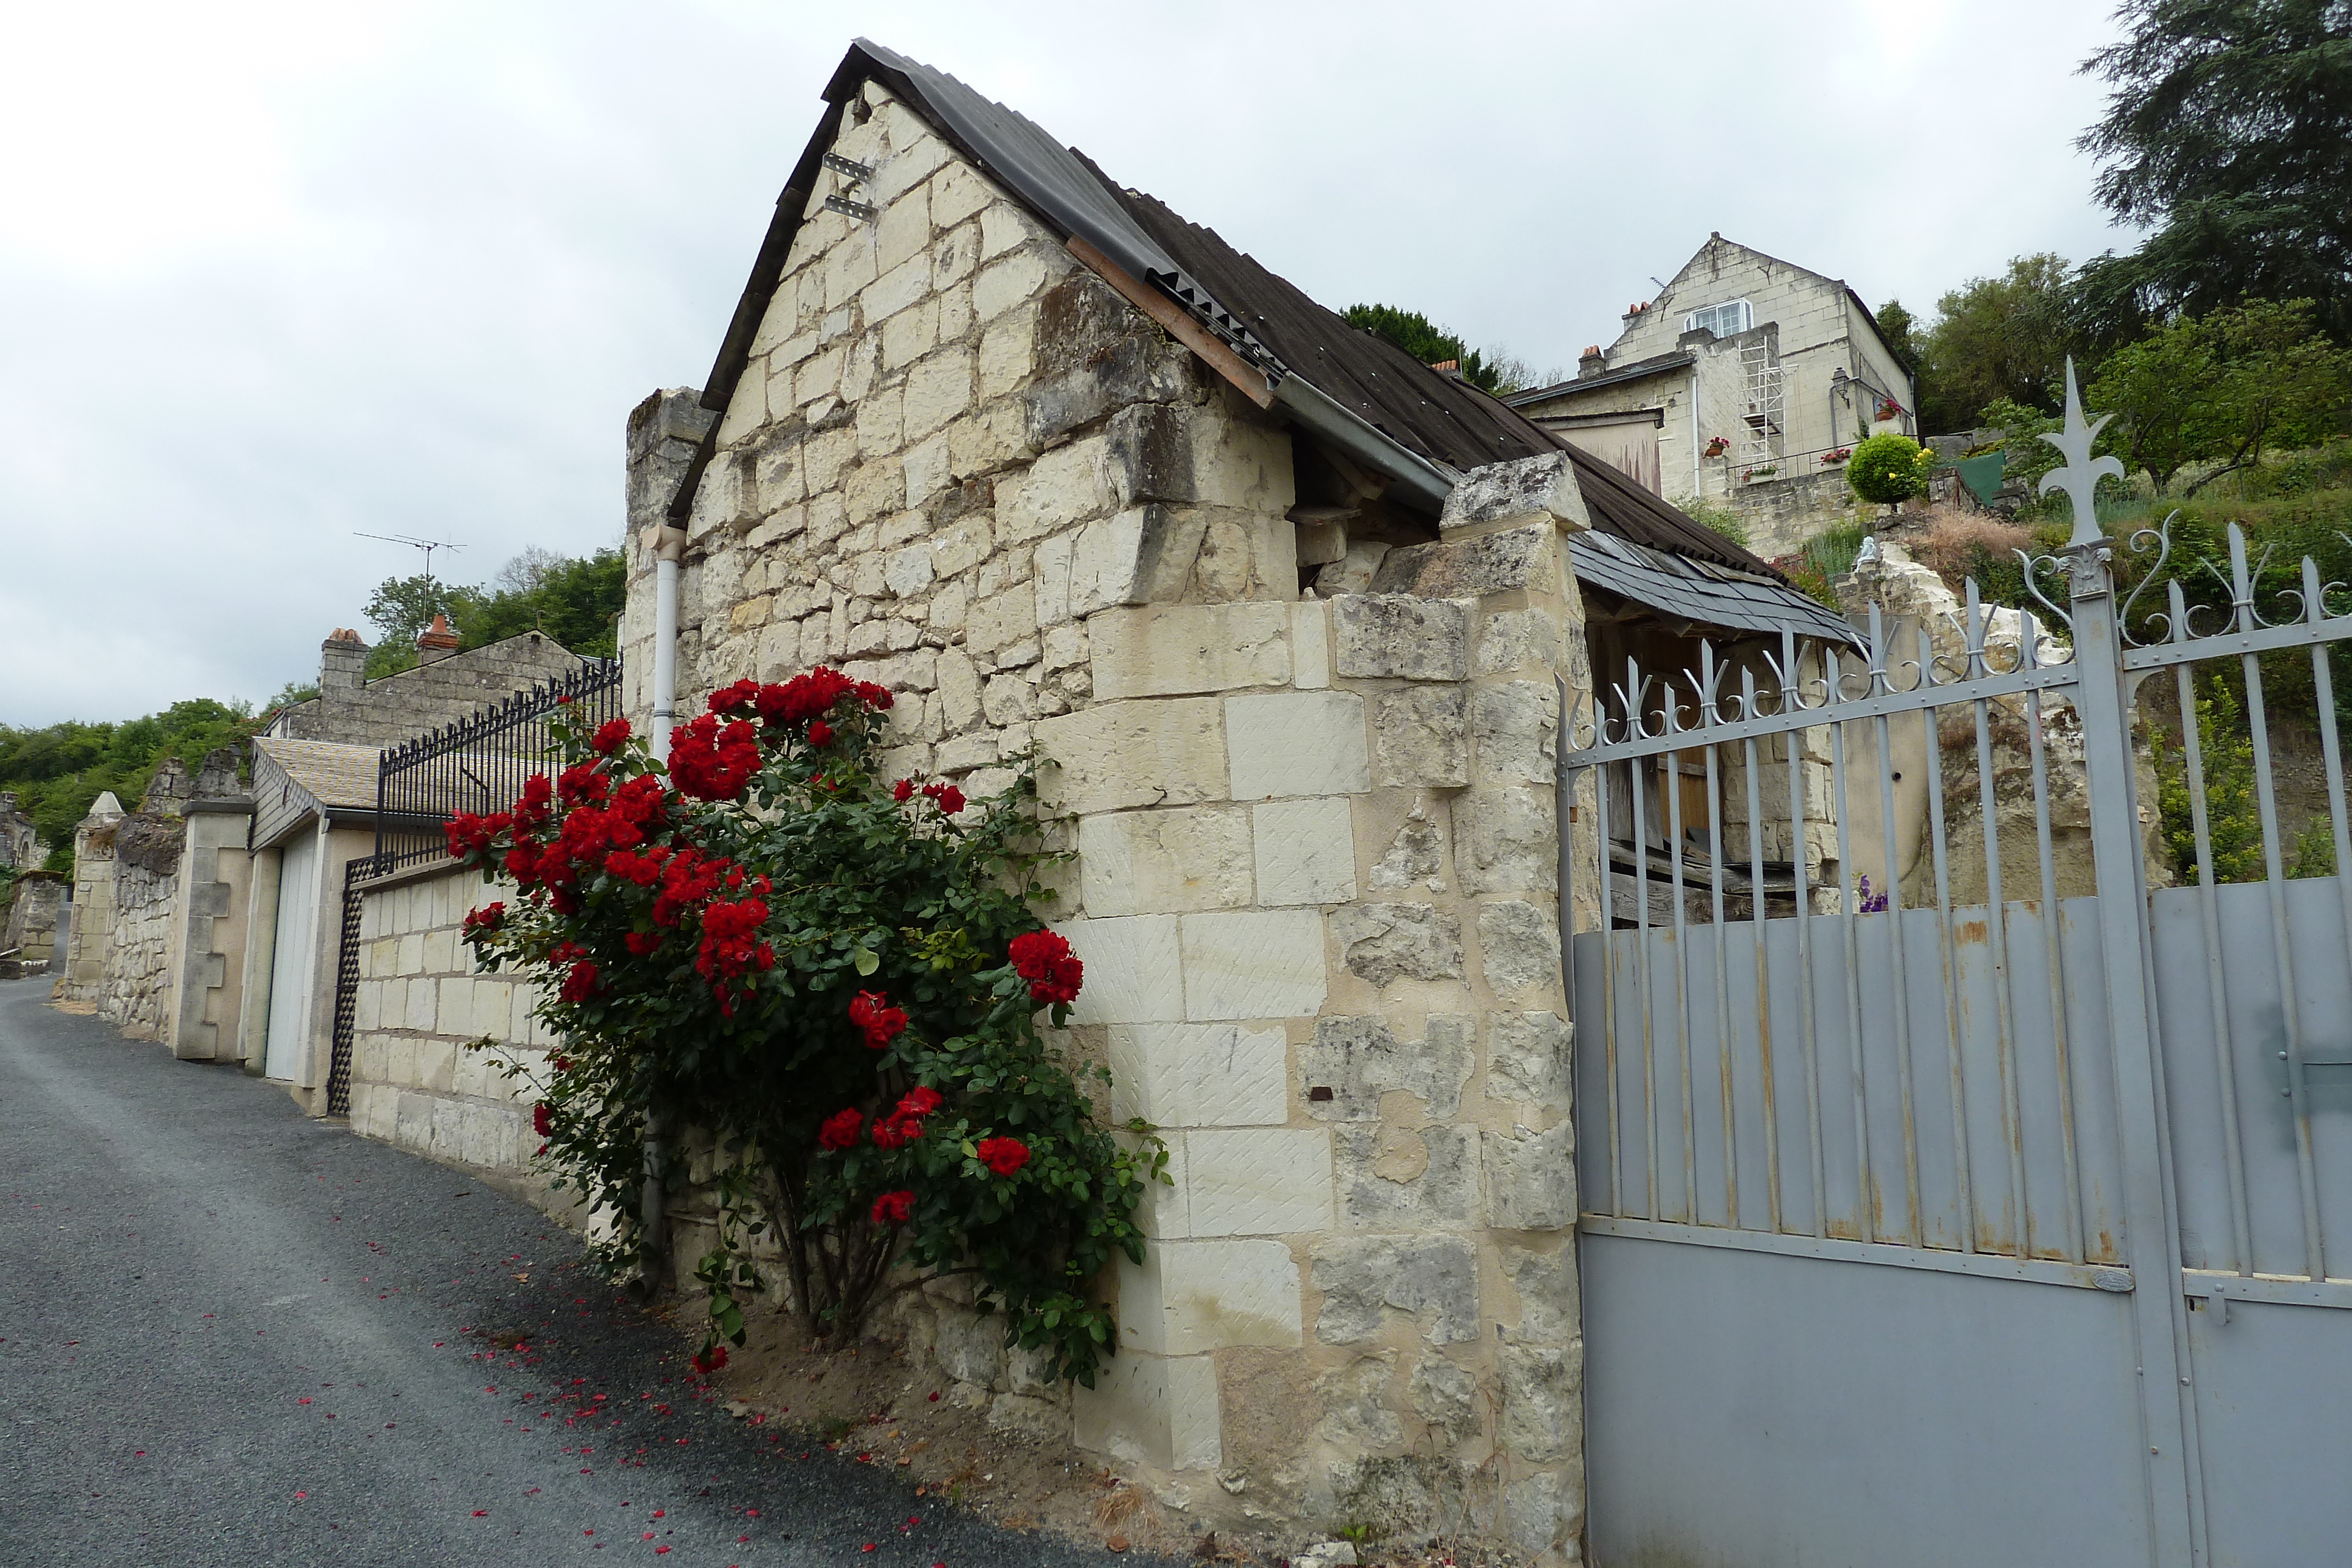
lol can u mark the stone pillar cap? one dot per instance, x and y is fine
(1521, 490)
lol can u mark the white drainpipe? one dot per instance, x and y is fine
(667, 543)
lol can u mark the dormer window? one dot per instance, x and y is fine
(1723, 320)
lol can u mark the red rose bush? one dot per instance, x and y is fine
(835, 980)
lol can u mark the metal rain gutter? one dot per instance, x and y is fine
(1421, 481)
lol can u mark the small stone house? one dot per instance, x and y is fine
(1292, 615)
(1740, 385)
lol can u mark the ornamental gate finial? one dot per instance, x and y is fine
(2080, 476)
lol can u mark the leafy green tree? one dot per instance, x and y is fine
(1902, 330)
(58, 770)
(2222, 388)
(1998, 339)
(400, 607)
(2232, 820)
(1495, 370)
(2230, 132)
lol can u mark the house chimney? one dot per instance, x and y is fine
(342, 662)
(435, 641)
(1590, 363)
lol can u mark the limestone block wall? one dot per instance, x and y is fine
(419, 1004)
(207, 942)
(136, 982)
(951, 445)
(78, 985)
(33, 914)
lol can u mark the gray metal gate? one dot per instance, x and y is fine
(1981, 1213)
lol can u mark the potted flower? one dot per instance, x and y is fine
(1716, 447)
(1838, 455)
(1889, 409)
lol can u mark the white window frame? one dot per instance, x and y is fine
(1746, 317)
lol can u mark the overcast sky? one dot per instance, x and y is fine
(272, 276)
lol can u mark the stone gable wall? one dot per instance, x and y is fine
(135, 983)
(1316, 889)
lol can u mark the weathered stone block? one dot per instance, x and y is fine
(1126, 754)
(1513, 726)
(1192, 1296)
(1420, 739)
(1546, 1284)
(1306, 851)
(1157, 862)
(1415, 857)
(1544, 1511)
(1265, 964)
(1435, 1278)
(1406, 1178)
(1528, 1058)
(1531, 1178)
(1310, 644)
(1501, 562)
(1151, 1410)
(1257, 1181)
(1172, 649)
(1133, 973)
(1542, 1393)
(1383, 943)
(1141, 554)
(1397, 635)
(1519, 946)
(1543, 487)
(1359, 1059)
(1296, 743)
(1199, 1075)
(1506, 841)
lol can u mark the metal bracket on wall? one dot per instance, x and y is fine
(857, 171)
(848, 208)
(854, 174)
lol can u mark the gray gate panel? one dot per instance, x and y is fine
(2255, 1037)
(2271, 1391)
(2025, 1119)
(1757, 1411)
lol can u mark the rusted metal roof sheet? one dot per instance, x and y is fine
(1701, 592)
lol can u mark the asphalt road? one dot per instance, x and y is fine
(233, 1335)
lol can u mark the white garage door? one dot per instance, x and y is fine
(289, 968)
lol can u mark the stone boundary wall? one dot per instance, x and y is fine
(392, 709)
(82, 974)
(35, 910)
(135, 981)
(418, 1004)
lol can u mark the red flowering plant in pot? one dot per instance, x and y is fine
(835, 983)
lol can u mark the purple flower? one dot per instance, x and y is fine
(1872, 905)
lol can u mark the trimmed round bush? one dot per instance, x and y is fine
(1889, 468)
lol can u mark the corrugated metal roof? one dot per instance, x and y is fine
(1700, 591)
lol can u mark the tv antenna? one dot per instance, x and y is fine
(427, 546)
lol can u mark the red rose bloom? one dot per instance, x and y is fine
(484, 922)
(875, 1016)
(903, 789)
(949, 798)
(580, 983)
(1003, 1156)
(840, 1130)
(542, 1118)
(920, 1102)
(894, 1209)
(643, 943)
(610, 734)
(709, 1359)
(1043, 959)
(820, 733)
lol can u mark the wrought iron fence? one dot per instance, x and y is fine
(479, 763)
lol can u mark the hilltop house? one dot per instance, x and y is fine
(1741, 384)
